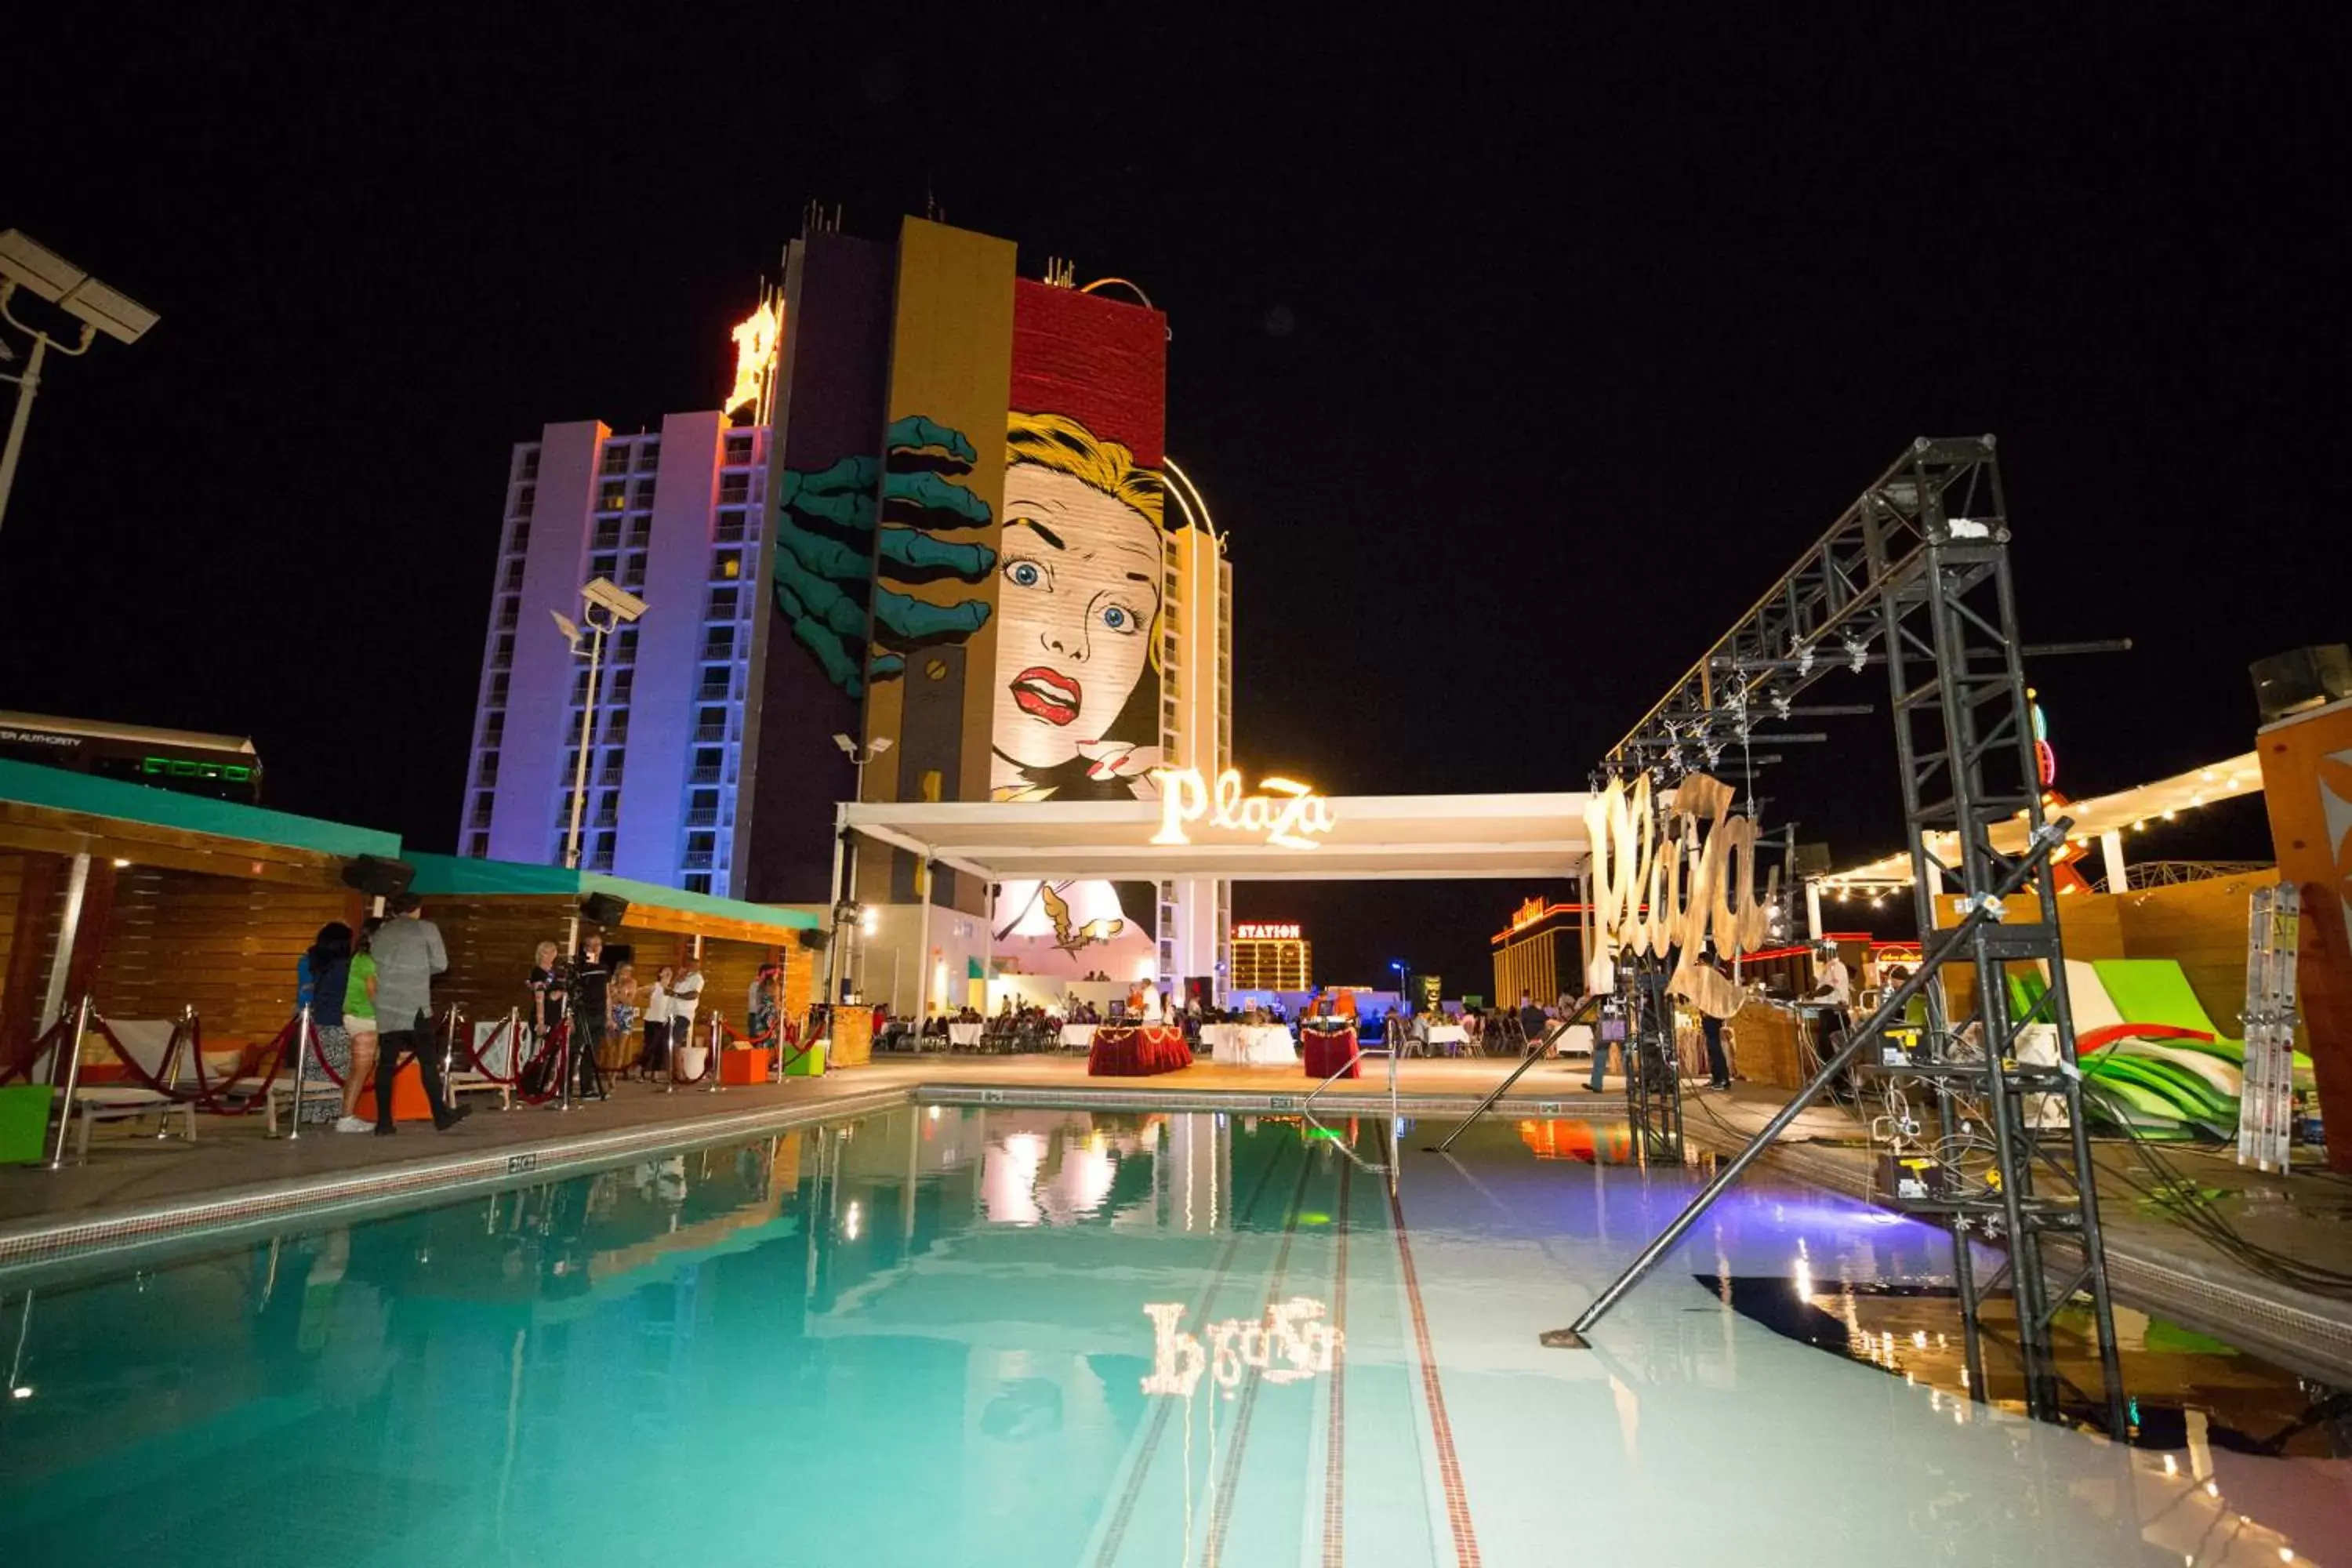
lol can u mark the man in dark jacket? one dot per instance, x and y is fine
(1532, 1022)
(408, 954)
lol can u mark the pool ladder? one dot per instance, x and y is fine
(1306, 1106)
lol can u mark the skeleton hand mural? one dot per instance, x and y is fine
(828, 551)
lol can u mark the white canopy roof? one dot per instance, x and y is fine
(1371, 838)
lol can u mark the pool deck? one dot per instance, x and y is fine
(137, 1188)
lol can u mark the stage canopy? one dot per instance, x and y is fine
(1370, 837)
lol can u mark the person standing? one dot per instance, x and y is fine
(684, 999)
(659, 1012)
(592, 1004)
(1834, 993)
(624, 994)
(360, 1024)
(1601, 1044)
(408, 954)
(326, 971)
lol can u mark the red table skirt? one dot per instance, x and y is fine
(1123, 1051)
(1324, 1049)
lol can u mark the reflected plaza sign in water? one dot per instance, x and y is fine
(1290, 1344)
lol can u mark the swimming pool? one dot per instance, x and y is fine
(936, 1336)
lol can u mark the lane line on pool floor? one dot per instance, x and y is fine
(1115, 1536)
(1221, 1514)
(1334, 1448)
(1440, 1430)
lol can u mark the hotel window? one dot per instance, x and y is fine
(498, 690)
(514, 583)
(625, 646)
(697, 882)
(494, 727)
(603, 565)
(731, 527)
(702, 808)
(478, 846)
(606, 535)
(580, 685)
(601, 856)
(522, 539)
(502, 655)
(707, 761)
(523, 500)
(649, 452)
(710, 724)
(714, 686)
(612, 496)
(633, 572)
(639, 528)
(700, 849)
(617, 687)
(482, 809)
(719, 642)
(727, 565)
(616, 458)
(739, 448)
(734, 490)
(642, 497)
(527, 464)
(487, 773)
(616, 727)
(722, 604)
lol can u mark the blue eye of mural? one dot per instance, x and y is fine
(1025, 573)
(1114, 619)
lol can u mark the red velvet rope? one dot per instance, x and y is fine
(474, 1054)
(55, 1038)
(215, 1102)
(550, 1047)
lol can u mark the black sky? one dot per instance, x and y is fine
(1517, 357)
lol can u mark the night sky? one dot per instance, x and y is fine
(1517, 362)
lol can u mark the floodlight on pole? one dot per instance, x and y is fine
(25, 264)
(619, 608)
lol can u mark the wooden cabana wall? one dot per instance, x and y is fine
(491, 939)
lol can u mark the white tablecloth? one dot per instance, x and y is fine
(1079, 1037)
(1250, 1045)
(1441, 1034)
(964, 1034)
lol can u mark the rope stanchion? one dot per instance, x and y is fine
(70, 1066)
(511, 1031)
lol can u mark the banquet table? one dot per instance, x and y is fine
(1250, 1045)
(1449, 1036)
(1078, 1037)
(1325, 1049)
(964, 1034)
(1128, 1050)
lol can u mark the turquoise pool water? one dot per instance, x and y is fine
(1037, 1337)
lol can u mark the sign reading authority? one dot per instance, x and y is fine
(1289, 814)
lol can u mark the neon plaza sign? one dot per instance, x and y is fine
(1290, 1344)
(1288, 813)
(1259, 930)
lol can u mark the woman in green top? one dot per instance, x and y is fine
(359, 1021)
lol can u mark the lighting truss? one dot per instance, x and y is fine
(1915, 575)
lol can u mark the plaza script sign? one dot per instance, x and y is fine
(1288, 813)
(1292, 1343)
(1665, 882)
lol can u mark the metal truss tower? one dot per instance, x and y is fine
(1915, 575)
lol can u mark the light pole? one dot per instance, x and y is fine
(619, 608)
(28, 263)
(845, 908)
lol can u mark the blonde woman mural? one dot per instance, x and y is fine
(1078, 603)
(1077, 708)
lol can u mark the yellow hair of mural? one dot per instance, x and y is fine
(1056, 442)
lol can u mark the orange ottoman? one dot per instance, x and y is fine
(408, 1102)
(751, 1066)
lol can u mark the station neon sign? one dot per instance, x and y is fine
(1291, 815)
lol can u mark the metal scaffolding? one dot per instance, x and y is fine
(1915, 575)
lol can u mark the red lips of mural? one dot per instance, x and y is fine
(1047, 694)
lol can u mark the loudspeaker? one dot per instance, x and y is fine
(378, 877)
(2285, 683)
(1809, 860)
(604, 909)
(815, 939)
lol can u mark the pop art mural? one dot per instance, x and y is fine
(993, 603)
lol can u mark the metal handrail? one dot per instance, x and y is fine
(1536, 1053)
